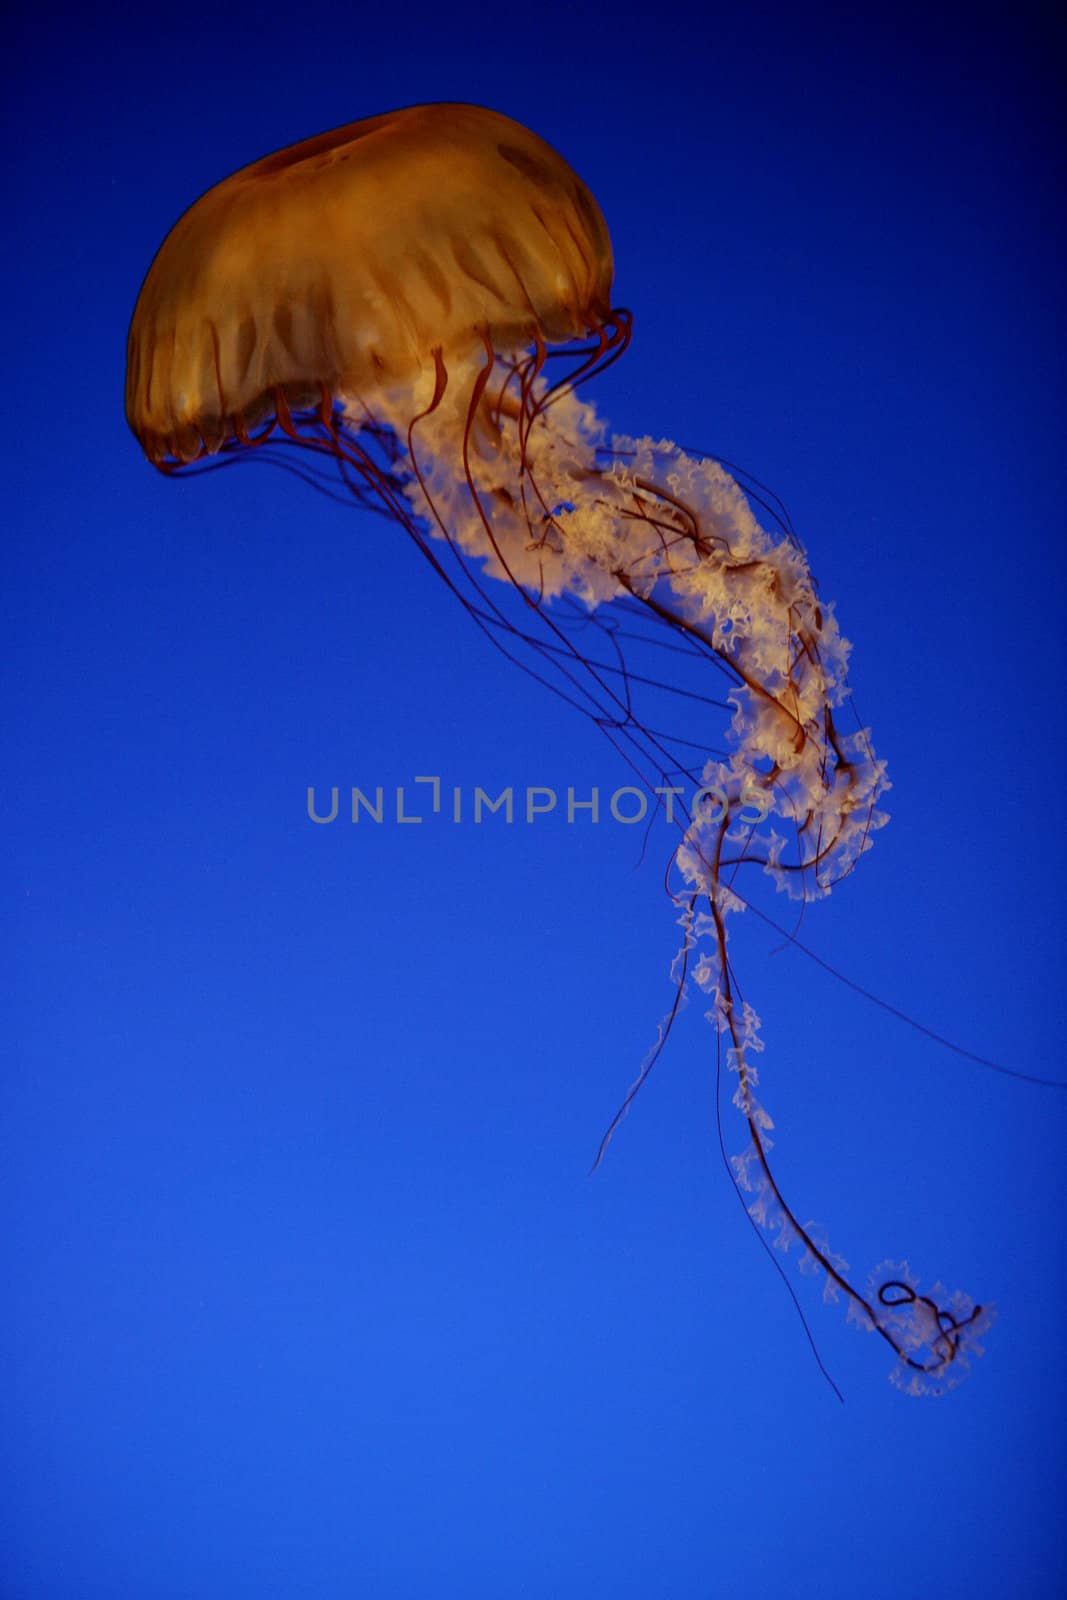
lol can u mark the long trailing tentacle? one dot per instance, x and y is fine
(496, 472)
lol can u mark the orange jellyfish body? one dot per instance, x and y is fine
(342, 264)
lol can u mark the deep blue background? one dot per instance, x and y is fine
(308, 1292)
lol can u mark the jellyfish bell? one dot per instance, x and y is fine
(418, 300)
(354, 262)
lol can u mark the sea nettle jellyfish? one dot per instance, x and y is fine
(415, 301)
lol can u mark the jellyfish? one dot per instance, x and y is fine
(412, 308)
